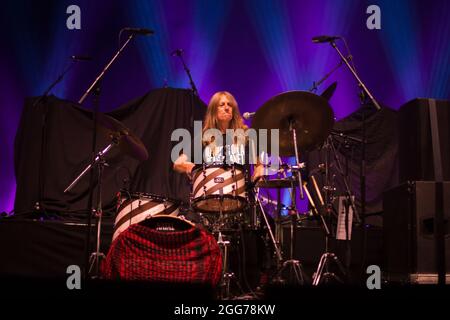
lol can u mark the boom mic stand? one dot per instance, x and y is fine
(317, 84)
(95, 86)
(39, 205)
(194, 92)
(353, 71)
(100, 163)
(179, 54)
(363, 160)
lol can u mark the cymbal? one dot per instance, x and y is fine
(310, 114)
(277, 183)
(128, 142)
(329, 91)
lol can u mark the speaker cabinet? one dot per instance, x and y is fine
(424, 137)
(412, 247)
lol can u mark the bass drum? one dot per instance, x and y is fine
(133, 208)
(164, 249)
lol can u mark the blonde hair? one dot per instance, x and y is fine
(211, 115)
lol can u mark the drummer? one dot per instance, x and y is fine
(222, 114)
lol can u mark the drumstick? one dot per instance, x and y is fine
(282, 169)
(319, 194)
(308, 195)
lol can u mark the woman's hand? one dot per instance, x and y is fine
(258, 172)
(181, 165)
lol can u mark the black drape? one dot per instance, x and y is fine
(69, 127)
(381, 155)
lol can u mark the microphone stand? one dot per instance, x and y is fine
(179, 54)
(361, 84)
(41, 175)
(194, 91)
(95, 86)
(100, 76)
(363, 151)
(317, 84)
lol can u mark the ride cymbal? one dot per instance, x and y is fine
(310, 115)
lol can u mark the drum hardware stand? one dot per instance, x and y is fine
(227, 276)
(297, 161)
(99, 161)
(294, 266)
(94, 263)
(348, 194)
(327, 257)
(95, 88)
(326, 209)
(277, 250)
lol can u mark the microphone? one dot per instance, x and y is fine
(142, 31)
(322, 39)
(177, 53)
(248, 115)
(81, 58)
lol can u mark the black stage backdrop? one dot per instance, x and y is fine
(68, 150)
(153, 118)
(381, 156)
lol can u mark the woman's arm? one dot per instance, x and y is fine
(258, 171)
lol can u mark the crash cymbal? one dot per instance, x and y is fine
(277, 183)
(128, 142)
(329, 91)
(310, 114)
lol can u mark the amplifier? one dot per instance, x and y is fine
(413, 251)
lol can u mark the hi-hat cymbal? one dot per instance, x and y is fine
(128, 142)
(310, 114)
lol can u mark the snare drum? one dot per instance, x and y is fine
(219, 188)
(134, 208)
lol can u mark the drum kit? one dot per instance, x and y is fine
(222, 194)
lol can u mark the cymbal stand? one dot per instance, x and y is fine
(348, 194)
(95, 89)
(297, 161)
(277, 250)
(293, 266)
(94, 263)
(227, 276)
(224, 245)
(99, 161)
(322, 273)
